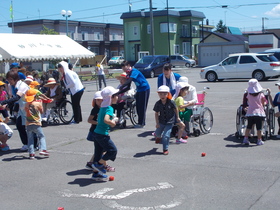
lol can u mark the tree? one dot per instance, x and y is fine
(48, 31)
(220, 27)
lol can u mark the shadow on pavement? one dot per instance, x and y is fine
(79, 172)
(150, 152)
(83, 182)
(11, 151)
(22, 157)
(145, 134)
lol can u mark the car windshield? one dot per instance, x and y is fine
(185, 57)
(145, 60)
(267, 58)
(115, 58)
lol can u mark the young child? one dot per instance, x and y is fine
(276, 102)
(3, 97)
(5, 133)
(33, 110)
(255, 113)
(105, 148)
(166, 113)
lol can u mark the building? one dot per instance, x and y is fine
(184, 33)
(100, 38)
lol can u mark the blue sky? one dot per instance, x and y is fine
(246, 15)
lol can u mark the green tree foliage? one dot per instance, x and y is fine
(220, 27)
(48, 31)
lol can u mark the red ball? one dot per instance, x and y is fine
(203, 154)
(111, 178)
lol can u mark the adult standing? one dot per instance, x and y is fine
(74, 84)
(142, 91)
(101, 74)
(168, 78)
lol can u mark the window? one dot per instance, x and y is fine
(95, 50)
(114, 36)
(173, 57)
(164, 28)
(84, 36)
(267, 58)
(176, 49)
(185, 31)
(186, 48)
(230, 61)
(135, 30)
(97, 36)
(149, 29)
(247, 59)
(194, 30)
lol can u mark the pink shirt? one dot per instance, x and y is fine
(3, 96)
(256, 105)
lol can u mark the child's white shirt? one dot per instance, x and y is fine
(5, 129)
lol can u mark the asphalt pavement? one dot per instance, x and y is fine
(229, 176)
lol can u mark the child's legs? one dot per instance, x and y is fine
(4, 138)
(180, 130)
(259, 124)
(110, 149)
(158, 132)
(98, 149)
(39, 132)
(30, 135)
(166, 136)
(21, 130)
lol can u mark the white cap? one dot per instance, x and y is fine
(106, 93)
(97, 95)
(164, 89)
(29, 78)
(184, 79)
(254, 86)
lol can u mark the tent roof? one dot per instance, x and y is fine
(29, 47)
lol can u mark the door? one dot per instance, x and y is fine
(227, 68)
(246, 66)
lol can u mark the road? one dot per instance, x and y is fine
(230, 176)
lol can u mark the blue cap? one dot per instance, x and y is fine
(14, 65)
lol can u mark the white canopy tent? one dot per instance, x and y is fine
(30, 47)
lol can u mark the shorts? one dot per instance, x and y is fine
(258, 120)
(4, 112)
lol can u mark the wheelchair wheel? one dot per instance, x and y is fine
(65, 112)
(196, 132)
(133, 113)
(265, 130)
(240, 123)
(271, 122)
(122, 119)
(206, 120)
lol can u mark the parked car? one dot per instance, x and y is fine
(116, 61)
(275, 52)
(243, 65)
(151, 65)
(182, 60)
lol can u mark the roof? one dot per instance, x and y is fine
(228, 37)
(28, 47)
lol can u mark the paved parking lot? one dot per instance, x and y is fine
(230, 176)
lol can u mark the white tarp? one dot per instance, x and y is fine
(30, 47)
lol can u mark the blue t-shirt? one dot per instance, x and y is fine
(276, 101)
(139, 80)
(160, 82)
(102, 127)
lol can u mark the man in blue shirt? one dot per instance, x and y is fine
(142, 91)
(168, 78)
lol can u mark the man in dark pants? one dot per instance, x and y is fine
(142, 91)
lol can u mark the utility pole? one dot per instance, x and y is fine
(168, 29)
(152, 51)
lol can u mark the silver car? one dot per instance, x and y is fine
(115, 61)
(182, 60)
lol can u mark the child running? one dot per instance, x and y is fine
(255, 112)
(3, 97)
(165, 113)
(5, 133)
(33, 110)
(104, 147)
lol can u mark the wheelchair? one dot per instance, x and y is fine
(268, 123)
(128, 112)
(62, 111)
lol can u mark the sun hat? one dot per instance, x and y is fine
(106, 93)
(30, 94)
(254, 86)
(29, 78)
(97, 95)
(278, 83)
(122, 75)
(163, 89)
(14, 65)
(183, 79)
(50, 81)
(33, 84)
(179, 86)
(2, 83)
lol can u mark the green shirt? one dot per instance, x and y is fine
(102, 127)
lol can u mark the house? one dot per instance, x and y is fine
(217, 46)
(100, 38)
(184, 33)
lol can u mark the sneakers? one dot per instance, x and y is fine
(260, 142)
(4, 148)
(31, 156)
(165, 152)
(246, 141)
(44, 152)
(179, 141)
(99, 176)
(185, 137)
(99, 167)
(157, 140)
(138, 126)
(88, 166)
(109, 168)
(24, 148)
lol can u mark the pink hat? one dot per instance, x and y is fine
(29, 78)
(254, 86)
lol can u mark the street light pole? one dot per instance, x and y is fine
(152, 29)
(66, 15)
(168, 30)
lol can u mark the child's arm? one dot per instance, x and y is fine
(156, 118)
(270, 98)
(107, 120)
(91, 121)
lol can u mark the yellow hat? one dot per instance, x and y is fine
(2, 83)
(33, 84)
(30, 94)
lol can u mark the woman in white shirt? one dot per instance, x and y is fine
(100, 73)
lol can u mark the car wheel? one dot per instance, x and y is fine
(187, 65)
(211, 76)
(259, 75)
(152, 74)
